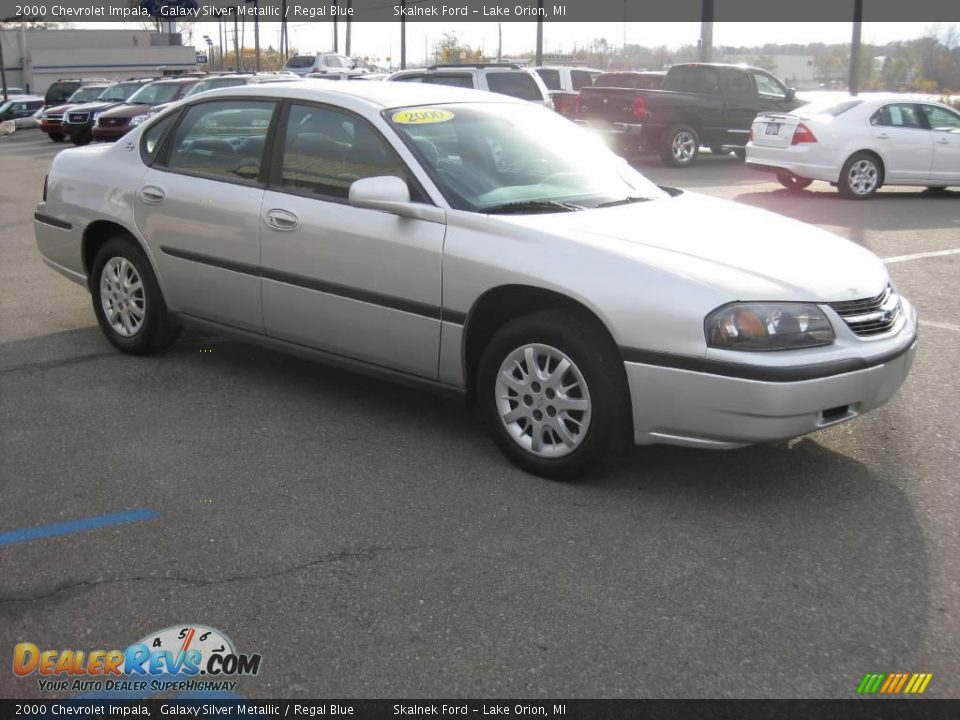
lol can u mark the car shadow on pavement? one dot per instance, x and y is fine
(784, 571)
(887, 211)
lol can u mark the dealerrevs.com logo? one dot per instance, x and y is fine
(180, 658)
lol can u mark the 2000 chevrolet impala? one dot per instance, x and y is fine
(480, 245)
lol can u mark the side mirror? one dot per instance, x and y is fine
(791, 94)
(390, 194)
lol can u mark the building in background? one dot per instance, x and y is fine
(797, 71)
(35, 59)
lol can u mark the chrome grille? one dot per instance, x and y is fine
(55, 118)
(78, 117)
(870, 316)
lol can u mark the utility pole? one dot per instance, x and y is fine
(403, 35)
(349, 27)
(855, 47)
(3, 72)
(539, 60)
(706, 31)
(499, 42)
(236, 42)
(336, 7)
(283, 29)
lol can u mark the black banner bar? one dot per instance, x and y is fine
(479, 10)
(855, 709)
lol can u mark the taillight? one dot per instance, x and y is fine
(639, 108)
(578, 104)
(45, 178)
(803, 134)
(751, 135)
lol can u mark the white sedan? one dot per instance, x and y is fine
(481, 246)
(859, 144)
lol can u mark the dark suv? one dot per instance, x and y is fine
(78, 121)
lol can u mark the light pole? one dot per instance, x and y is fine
(209, 42)
(854, 81)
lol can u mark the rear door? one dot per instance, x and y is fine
(199, 209)
(359, 283)
(740, 103)
(903, 139)
(945, 128)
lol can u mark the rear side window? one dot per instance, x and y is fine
(579, 78)
(551, 78)
(903, 115)
(515, 84)
(461, 81)
(736, 82)
(153, 137)
(222, 139)
(325, 151)
(59, 92)
(701, 80)
(332, 61)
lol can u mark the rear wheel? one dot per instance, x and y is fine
(58, 137)
(552, 389)
(792, 182)
(741, 153)
(861, 176)
(679, 146)
(127, 301)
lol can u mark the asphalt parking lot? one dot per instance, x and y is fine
(370, 541)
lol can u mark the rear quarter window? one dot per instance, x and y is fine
(515, 84)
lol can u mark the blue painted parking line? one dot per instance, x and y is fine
(74, 526)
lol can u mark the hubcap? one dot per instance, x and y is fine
(863, 177)
(543, 400)
(684, 146)
(121, 296)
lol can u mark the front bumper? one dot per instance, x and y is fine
(700, 409)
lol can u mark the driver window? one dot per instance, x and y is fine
(941, 119)
(767, 87)
(325, 151)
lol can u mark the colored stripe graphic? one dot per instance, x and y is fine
(894, 683)
(74, 526)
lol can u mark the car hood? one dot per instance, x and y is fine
(59, 109)
(97, 106)
(127, 110)
(749, 253)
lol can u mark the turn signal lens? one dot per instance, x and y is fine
(768, 326)
(803, 134)
(639, 108)
(578, 105)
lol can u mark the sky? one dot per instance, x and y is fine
(381, 40)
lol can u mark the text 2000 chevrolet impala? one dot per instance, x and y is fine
(484, 246)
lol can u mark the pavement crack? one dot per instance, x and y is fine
(48, 364)
(368, 553)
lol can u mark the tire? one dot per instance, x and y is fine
(595, 392)
(741, 154)
(861, 176)
(81, 139)
(142, 326)
(792, 182)
(58, 137)
(679, 146)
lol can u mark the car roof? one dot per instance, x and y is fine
(379, 95)
(23, 98)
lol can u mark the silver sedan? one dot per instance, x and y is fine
(482, 247)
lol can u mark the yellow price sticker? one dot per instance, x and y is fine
(421, 116)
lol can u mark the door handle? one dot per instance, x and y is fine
(281, 219)
(883, 136)
(152, 195)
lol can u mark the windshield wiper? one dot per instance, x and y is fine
(532, 206)
(624, 201)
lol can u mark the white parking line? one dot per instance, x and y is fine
(942, 326)
(918, 256)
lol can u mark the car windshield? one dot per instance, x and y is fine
(86, 94)
(119, 92)
(154, 94)
(214, 83)
(486, 157)
(301, 61)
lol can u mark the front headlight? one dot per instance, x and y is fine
(96, 118)
(137, 119)
(768, 326)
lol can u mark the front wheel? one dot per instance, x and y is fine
(127, 301)
(58, 137)
(680, 146)
(861, 176)
(792, 182)
(553, 391)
